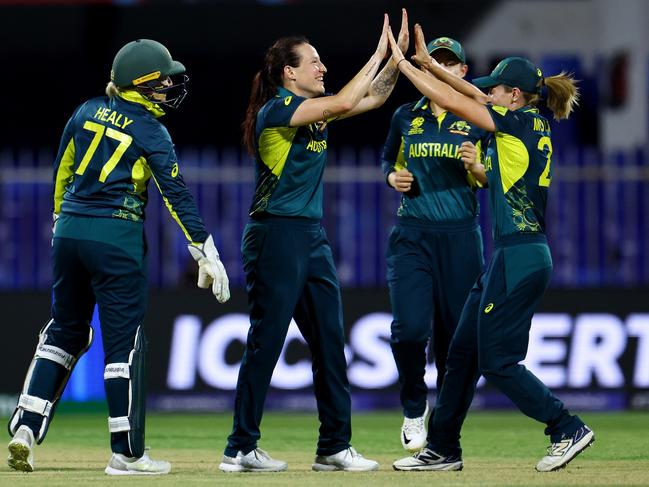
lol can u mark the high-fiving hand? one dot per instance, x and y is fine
(397, 53)
(403, 39)
(421, 56)
(382, 48)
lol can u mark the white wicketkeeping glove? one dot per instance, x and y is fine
(210, 269)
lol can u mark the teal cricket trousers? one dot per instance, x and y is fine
(431, 269)
(95, 261)
(290, 273)
(492, 338)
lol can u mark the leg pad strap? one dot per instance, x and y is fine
(35, 405)
(117, 425)
(117, 371)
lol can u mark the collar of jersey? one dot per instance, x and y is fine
(422, 104)
(281, 91)
(135, 97)
(528, 108)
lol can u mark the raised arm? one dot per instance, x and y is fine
(441, 93)
(428, 63)
(328, 107)
(384, 83)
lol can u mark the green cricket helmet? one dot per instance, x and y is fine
(145, 64)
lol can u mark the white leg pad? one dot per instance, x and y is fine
(38, 405)
(116, 425)
(35, 405)
(117, 371)
(55, 354)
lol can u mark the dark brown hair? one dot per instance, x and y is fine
(282, 53)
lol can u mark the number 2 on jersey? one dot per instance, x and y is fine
(99, 130)
(545, 143)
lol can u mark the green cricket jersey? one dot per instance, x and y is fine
(518, 170)
(428, 146)
(289, 161)
(109, 150)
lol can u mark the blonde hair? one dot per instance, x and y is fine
(563, 95)
(111, 90)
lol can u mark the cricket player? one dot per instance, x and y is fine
(111, 147)
(435, 250)
(492, 336)
(288, 261)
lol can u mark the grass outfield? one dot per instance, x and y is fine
(499, 449)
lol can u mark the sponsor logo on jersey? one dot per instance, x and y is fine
(460, 127)
(415, 126)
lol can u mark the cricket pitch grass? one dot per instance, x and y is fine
(500, 448)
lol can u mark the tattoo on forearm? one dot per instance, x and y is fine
(385, 81)
(370, 69)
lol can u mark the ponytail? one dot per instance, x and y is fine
(260, 93)
(563, 94)
(266, 82)
(111, 90)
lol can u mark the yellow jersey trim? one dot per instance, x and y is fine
(401, 162)
(440, 119)
(135, 97)
(64, 175)
(140, 174)
(513, 159)
(174, 215)
(274, 145)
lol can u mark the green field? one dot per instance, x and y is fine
(499, 449)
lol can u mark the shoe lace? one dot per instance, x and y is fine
(413, 425)
(559, 448)
(354, 453)
(261, 454)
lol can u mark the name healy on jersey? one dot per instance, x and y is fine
(113, 117)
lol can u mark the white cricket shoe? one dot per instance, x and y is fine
(255, 461)
(413, 431)
(122, 465)
(348, 460)
(427, 460)
(563, 451)
(21, 456)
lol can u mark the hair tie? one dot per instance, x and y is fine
(543, 92)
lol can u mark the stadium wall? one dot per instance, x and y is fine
(591, 346)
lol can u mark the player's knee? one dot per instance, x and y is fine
(409, 332)
(493, 368)
(72, 343)
(46, 378)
